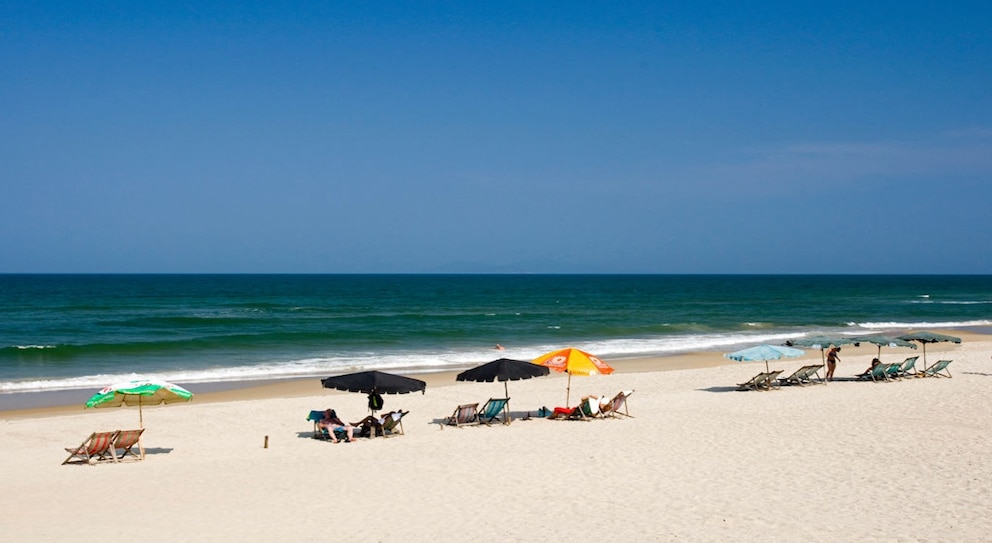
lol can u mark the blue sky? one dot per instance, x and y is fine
(549, 137)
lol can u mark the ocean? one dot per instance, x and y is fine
(64, 332)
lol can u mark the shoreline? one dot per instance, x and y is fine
(60, 402)
(43, 404)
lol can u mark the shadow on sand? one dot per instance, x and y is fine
(719, 389)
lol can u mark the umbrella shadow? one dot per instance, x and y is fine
(315, 437)
(976, 373)
(158, 450)
(525, 415)
(442, 421)
(515, 416)
(718, 389)
(325, 439)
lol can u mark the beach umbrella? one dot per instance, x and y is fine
(573, 361)
(504, 369)
(764, 352)
(923, 337)
(885, 341)
(374, 383)
(822, 343)
(139, 392)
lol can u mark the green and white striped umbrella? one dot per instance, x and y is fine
(139, 392)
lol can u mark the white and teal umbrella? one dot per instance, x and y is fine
(139, 392)
(764, 352)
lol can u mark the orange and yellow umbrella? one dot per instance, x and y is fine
(573, 361)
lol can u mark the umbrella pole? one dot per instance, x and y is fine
(823, 360)
(568, 389)
(141, 418)
(506, 394)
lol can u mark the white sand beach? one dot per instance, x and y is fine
(847, 461)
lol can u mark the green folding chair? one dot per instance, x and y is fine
(934, 370)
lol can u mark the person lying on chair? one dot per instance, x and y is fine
(566, 412)
(366, 425)
(867, 372)
(370, 422)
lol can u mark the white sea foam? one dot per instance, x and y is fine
(407, 362)
(915, 325)
(952, 302)
(413, 362)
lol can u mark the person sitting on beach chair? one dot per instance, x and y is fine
(372, 423)
(331, 423)
(867, 373)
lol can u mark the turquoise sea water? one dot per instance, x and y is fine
(62, 332)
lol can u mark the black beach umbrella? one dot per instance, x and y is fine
(374, 383)
(925, 337)
(504, 369)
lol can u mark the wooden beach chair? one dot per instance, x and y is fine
(794, 379)
(803, 376)
(813, 375)
(96, 448)
(464, 415)
(612, 407)
(934, 370)
(322, 433)
(126, 440)
(877, 374)
(392, 423)
(764, 380)
(892, 371)
(908, 367)
(385, 425)
(752, 383)
(589, 407)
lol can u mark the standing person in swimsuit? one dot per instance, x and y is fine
(833, 357)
